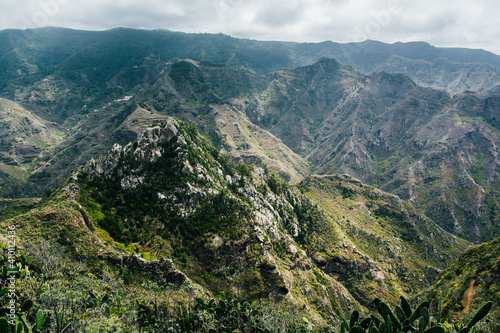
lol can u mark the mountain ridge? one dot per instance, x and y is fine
(324, 118)
(139, 203)
(206, 222)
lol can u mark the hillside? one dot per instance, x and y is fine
(468, 283)
(199, 182)
(203, 223)
(381, 128)
(385, 231)
(186, 184)
(437, 151)
(25, 144)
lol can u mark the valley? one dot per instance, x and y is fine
(316, 177)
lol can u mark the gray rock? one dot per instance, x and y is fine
(162, 271)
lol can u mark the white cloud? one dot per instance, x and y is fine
(439, 22)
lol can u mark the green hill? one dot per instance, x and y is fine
(468, 283)
(169, 210)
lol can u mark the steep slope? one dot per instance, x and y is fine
(61, 73)
(214, 98)
(236, 228)
(91, 136)
(171, 195)
(209, 96)
(384, 232)
(468, 283)
(60, 70)
(379, 128)
(419, 143)
(439, 152)
(25, 141)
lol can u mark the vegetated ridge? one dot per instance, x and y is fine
(169, 208)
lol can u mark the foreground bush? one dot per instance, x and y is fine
(404, 319)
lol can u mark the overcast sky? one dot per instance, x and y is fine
(471, 23)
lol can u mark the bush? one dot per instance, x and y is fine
(404, 319)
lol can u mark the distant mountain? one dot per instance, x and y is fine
(452, 69)
(89, 67)
(436, 151)
(442, 73)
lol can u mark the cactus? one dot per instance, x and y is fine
(424, 320)
(19, 328)
(375, 320)
(390, 326)
(343, 326)
(365, 324)
(355, 329)
(416, 313)
(405, 306)
(404, 319)
(382, 328)
(387, 313)
(401, 314)
(26, 305)
(480, 314)
(42, 320)
(354, 318)
(4, 325)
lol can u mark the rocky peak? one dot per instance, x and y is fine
(147, 145)
(146, 148)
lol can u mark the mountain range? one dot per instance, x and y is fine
(328, 165)
(428, 146)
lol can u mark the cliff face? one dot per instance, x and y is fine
(226, 226)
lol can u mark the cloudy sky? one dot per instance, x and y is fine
(471, 23)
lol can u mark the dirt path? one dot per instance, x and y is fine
(468, 297)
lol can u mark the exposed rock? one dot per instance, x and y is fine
(162, 271)
(130, 182)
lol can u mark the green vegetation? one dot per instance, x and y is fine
(404, 319)
(383, 232)
(132, 215)
(469, 281)
(12, 207)
(247, 251)
(54, 295)
(195, 242)
(386, 130)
